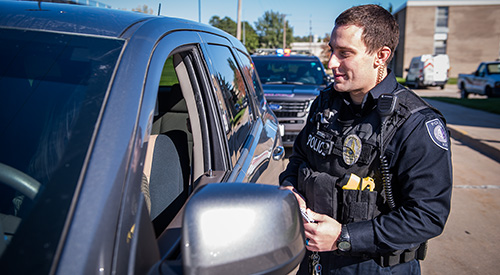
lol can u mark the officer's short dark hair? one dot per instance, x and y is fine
(379, 26)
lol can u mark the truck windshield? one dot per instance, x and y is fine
(283, 71)
(52, 87)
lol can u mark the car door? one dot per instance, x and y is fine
(179, 147)
(478, 79)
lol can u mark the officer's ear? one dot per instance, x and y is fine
(382, 56)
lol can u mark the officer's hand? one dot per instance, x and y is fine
(323, 234)
(300, 199)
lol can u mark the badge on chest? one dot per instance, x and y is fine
(351, 150)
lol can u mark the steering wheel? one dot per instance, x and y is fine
(18, 180)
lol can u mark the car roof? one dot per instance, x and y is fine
(79, 19)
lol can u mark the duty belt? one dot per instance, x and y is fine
(391, 259)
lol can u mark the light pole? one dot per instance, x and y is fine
(284, 31)
(238, 27)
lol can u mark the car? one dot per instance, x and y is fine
(485, 80)
(136, 144)
(291, 82)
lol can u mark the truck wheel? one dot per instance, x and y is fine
(488, 91)
(463, 91)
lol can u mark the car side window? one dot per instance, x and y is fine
(169, 156)
(249, 68)
(236, 110)
(482, 70)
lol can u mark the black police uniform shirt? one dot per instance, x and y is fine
(420, 163)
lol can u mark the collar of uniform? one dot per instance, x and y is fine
(388, 85)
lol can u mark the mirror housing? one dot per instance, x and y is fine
(242, 228)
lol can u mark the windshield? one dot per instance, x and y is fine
(52, 87)
(285, 71)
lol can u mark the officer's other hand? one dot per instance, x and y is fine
(300, 199)
(322, 234)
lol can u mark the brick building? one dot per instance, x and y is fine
(467, 30)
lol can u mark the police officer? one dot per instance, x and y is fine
(373, 163)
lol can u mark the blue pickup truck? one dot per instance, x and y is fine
(484, 81)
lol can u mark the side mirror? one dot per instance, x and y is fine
(242, 228)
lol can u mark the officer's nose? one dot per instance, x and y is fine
(333, 62)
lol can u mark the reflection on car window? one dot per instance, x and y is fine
(276, 71)
(249, 67)
(236, 112)
(52, 88)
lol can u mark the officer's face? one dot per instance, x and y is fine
(353, 68)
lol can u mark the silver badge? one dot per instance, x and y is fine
(351, 149)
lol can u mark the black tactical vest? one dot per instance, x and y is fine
(337, 148)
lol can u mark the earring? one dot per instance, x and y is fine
(380, 73)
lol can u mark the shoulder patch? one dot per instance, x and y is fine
(437, 133)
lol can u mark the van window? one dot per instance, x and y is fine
(233, 98)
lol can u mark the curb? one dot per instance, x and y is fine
(475, 144)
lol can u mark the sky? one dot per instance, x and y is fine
(314, 17)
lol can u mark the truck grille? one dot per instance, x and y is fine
(290, 109)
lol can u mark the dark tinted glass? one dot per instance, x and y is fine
(52, 87)
(236, 112)
(249, 67)
(285, 71)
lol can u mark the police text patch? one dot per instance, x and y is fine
(437, 132)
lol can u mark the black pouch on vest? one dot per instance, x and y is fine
(320, 190)
(358, 205)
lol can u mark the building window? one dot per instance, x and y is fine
(442, 18)
(441, 30)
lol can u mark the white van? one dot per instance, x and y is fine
(428, 70)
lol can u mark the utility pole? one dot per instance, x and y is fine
(199, 11)
(284, 31)
(238, 28)
(310, 35)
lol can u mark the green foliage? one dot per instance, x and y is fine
(251, 39)
(249, 36)
(484, 104)
(168, 75)
(226, 24)
(270, 30)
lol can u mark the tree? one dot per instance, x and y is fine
(226, 24)
(249, 38)
(325, 49)
(143, 9)
(270, 30)
(306, 38)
